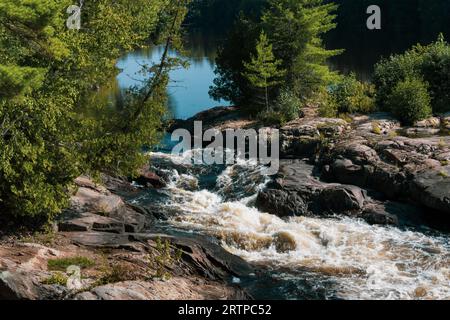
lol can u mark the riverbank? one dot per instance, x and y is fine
(299, 234)
(364, 166)
(121, 255)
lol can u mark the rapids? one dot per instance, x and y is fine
(333, 258)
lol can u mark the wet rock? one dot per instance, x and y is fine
(284, 242)
(432, 189)
(377, 214)
(282, 202)
(342, 198)
(296, 191)
(149, 178)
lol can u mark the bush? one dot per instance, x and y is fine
(430, 63)
(353, 96)
(435, 69)
(410, 101)
(286, 108)
(346, 96)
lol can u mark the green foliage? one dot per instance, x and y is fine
(263, 71)
(52, 126)
(165, 257)
(353, 96)
(286, 108)
(294, 29)
(430, 63)
(410, 101)
(57, 278)
(61, 264)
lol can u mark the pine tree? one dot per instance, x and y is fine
(263, 71)
(296, 28)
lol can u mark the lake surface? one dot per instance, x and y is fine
(188, 90)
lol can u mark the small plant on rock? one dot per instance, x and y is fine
(58, 278)
(61, 264)
(165, 257)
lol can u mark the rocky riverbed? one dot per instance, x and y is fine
(128, 258)
(359, 209)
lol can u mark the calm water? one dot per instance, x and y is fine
(188, 90)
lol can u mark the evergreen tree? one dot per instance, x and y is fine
(295, 28)
(263, 72)
(52, 127)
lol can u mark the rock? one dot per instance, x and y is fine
(283, 203)
(296, 191)
(176, 288)
(149, 178)
(432, 189)
(21, 275)
(374, 214)
(202, 257)
(302, 137)
(133, 219)
(95, 201)
(342, 198)
(433, 122)
(99, 239)
(90, 222)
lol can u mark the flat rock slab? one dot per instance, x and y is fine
(91, 222)
(176, 288)
(99, 239)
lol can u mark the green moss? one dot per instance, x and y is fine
(63, 263)
(56, 279)
(443, 174)
(376, 127)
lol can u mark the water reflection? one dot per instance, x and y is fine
(188, 89)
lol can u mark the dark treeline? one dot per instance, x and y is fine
(219, 15)
(404, 23)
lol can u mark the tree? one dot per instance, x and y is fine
(295, 29)
(52, 127)
(263, 71)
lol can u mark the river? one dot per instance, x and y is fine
(300, 257)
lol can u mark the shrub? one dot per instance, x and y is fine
(353, 96)
(410, 101)
(56, 279)
(435, 69)
(327, 106)
(286, 108)
(430, 63)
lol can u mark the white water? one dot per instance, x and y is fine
(363, 261)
